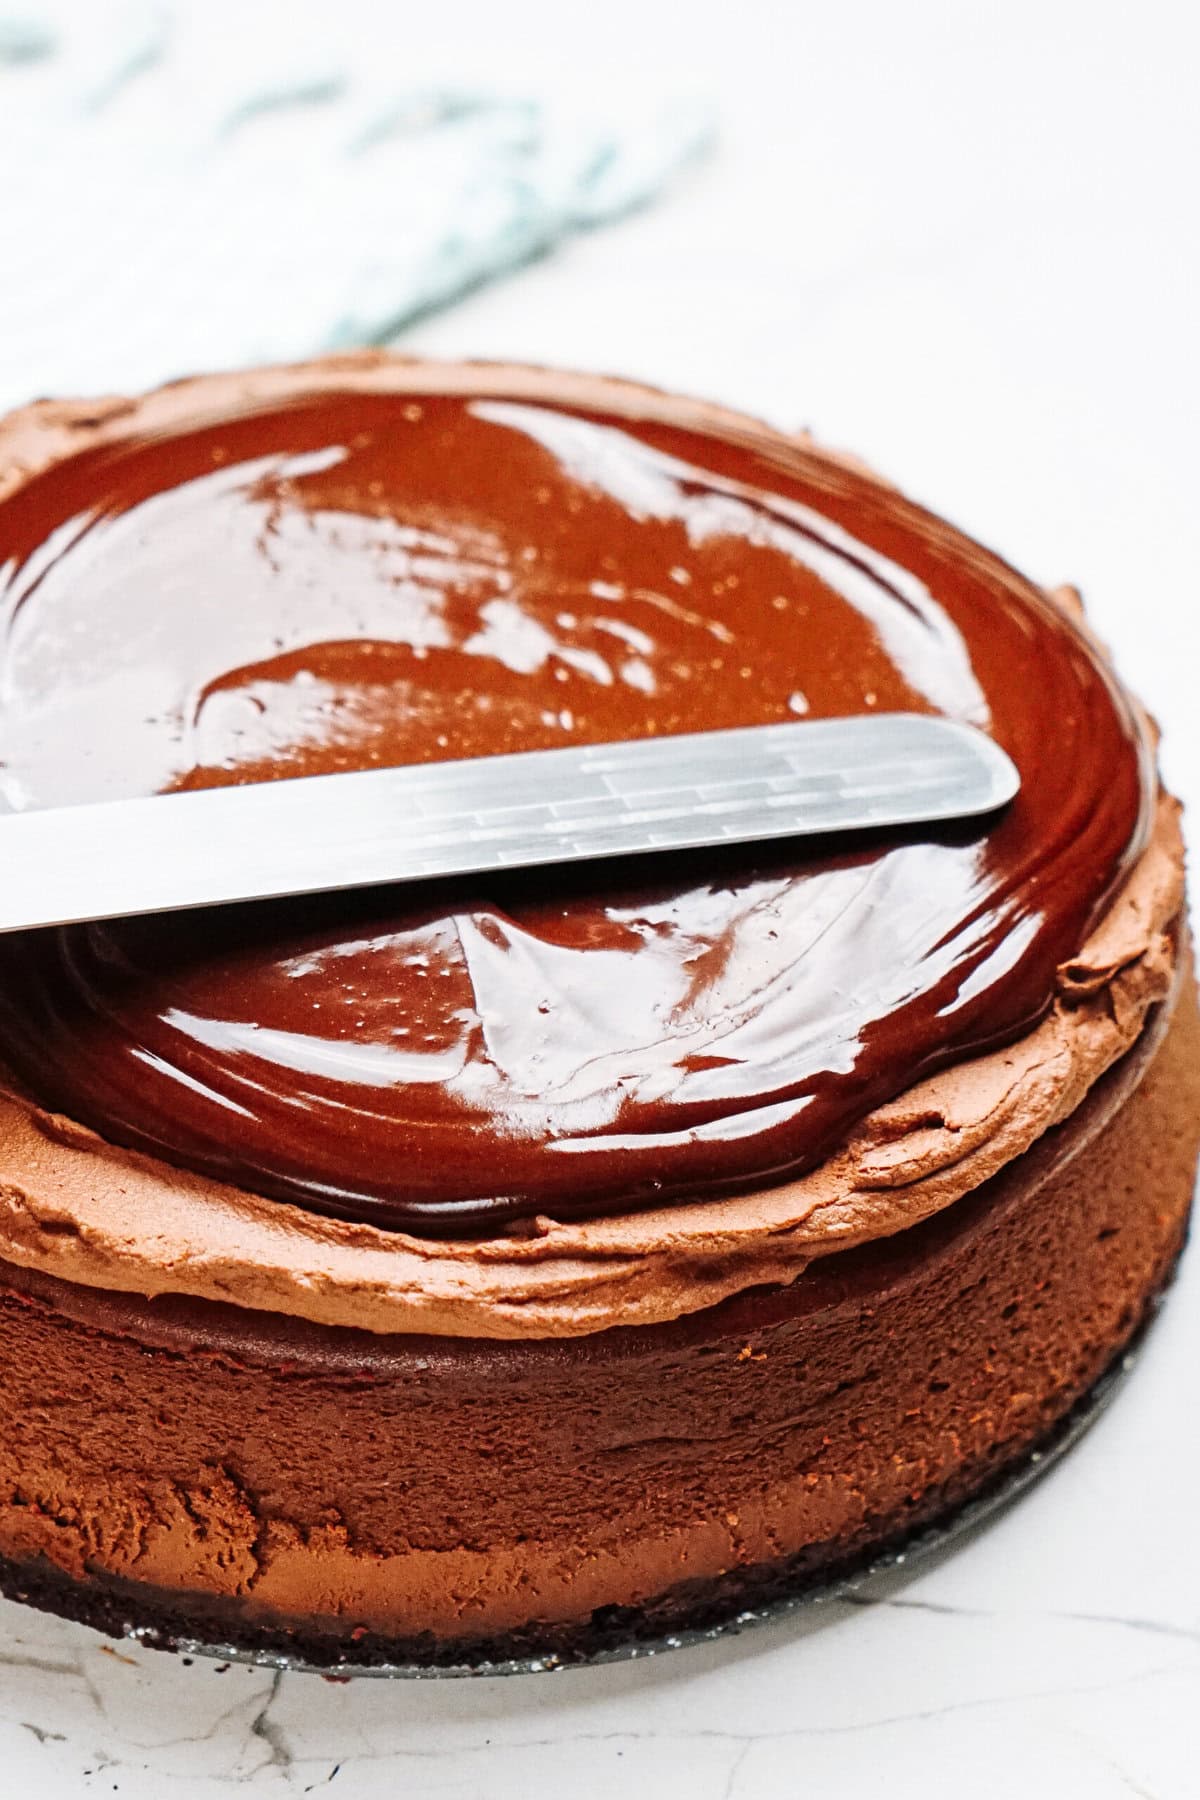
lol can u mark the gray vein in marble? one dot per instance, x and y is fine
(1126, 1779)
(85, 1676)
(735, 1769)
(1156, 1627)
(257, 1727)
(332, 1775)
(272, 1735)
(263, 1750)
(1104, 1755)
(744, 1741)
(43, 1664)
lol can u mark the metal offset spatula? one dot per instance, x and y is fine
(323, 832)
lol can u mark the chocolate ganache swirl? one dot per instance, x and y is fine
(345, 579)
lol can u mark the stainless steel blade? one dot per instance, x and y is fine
(498, 812)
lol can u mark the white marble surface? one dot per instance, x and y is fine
(961, 237)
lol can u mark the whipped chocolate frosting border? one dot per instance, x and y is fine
(76, 1207)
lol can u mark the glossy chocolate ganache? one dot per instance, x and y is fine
(343, 580)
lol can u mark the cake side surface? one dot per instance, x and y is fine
(270, 1483)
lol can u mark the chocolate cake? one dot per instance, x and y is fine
(517, 1266)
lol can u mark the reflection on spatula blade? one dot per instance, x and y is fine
(324, 832)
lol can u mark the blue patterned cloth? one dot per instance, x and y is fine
(165, 222)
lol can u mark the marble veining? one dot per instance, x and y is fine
(744, 1719)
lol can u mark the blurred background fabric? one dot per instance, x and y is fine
(165, 210)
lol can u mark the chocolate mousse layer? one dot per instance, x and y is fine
(243, 584)
(199, 1471)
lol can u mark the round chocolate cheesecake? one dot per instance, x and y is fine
(511, 1267)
